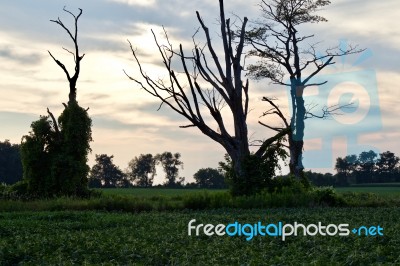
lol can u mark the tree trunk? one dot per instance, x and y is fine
(72, 91)
(296, 137)
(238, 156)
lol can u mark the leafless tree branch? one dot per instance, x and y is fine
(77, 58)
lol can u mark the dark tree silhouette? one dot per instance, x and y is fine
(54, 155)
(386, 166)
(277, 42)
(345, 168)
(72, 79)
(324, 180)
(209, 178)
(142, 170)
(170, 164)
(10, 163)
(366, 166)
(105, 173)
(212, 84)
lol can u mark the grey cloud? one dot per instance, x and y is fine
(14, 125)
(17, 118)
(151, 109)
(21, 58)
(103, 18)
(89, 44)
(96, 96)
(172, 132)
(105, 122)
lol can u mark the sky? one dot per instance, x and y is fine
(126, 122)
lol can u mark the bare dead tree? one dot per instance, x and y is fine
(207, 87)
(277, 43)
(72, 79)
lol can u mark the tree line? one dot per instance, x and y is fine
(140, 172)
(142, 169)
(367, 167)
(105, 174)
(10, 163)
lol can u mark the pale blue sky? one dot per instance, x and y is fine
(125, 119)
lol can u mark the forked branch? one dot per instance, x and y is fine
(72, 79)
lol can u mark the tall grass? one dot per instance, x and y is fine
(325, 197)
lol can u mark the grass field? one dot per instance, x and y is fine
(388, 190)
(382, 191)
(153, 192)
(161, 238)
(91, 232)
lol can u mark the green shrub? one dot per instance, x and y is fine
(327, 196)
(54, 158)
(258, 171)
(19, 189)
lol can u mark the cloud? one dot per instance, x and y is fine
(146, 3)
(24, 58)
(15, 124)
(152, 109)
(108, 123)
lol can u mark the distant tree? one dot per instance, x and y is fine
(54, 154)
(386, 167)
(345, 168)
(191, 185)
(105, 173)
(209, 178)
(285, 53)
(366, 166)
(142, 170)
(320, 180)
(10, 163)
(170, 164)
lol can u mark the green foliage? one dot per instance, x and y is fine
(151, 192)
(142, 170)
(146, 199)
(106, 174)
(171, 163)
(71, 163)
(367, 167)
(36, 152)
(209, 178)
(328, 196)
(160, 238)
(285, 196)
(386, 167)
(55, 162)
(17, 191)
(288, 184)
(10, 163)
(258, 171)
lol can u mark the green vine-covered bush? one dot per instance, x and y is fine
(54, 158)
(259, 171)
